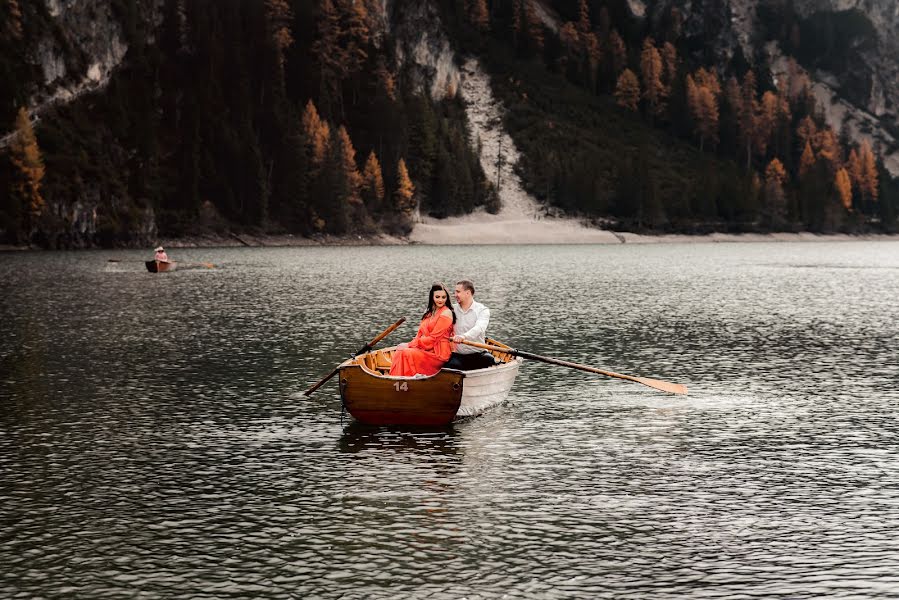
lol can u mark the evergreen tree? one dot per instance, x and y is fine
(869, 177)
(29, 171)
(775, 199)
(627, 91)
(404, 196)
(843, 187)
(372, 184)
(807, 162)
(651, 70)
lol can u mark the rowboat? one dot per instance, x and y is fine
(160, 266)
(372, 396)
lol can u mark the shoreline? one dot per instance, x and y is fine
(530, 233)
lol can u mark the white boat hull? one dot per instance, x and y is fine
(485, 388)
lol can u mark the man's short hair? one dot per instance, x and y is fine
(466, 285)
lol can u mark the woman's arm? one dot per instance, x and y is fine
(440, 330)
(415, 341)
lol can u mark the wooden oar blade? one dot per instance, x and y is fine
(665, 386)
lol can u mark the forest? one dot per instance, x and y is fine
(298, 116)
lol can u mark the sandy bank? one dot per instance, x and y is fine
(495, 229)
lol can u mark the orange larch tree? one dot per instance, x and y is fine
(702, 100)
(654, 91)
(349, 180)
(747, 116)
(806, 130)
(843, 187)
(869, 181)
(317, 134)
(29, 170)
(669, 62)
(627, 91)
(807, 161)
(372, 183)
(827, 148)
(357, 36)
(775, 200)
(405, 192)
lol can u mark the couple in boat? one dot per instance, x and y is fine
(442, 327)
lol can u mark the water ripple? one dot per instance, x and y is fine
(154, 440)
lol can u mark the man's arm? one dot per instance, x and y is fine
(479, 331)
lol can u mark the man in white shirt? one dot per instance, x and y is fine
(472, 319)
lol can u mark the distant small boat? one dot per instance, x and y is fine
(372, 396)
(160, 266)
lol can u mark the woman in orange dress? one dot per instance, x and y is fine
(432, 347)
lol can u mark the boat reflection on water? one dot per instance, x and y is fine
(358, 437)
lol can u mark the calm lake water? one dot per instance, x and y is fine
(155, 442)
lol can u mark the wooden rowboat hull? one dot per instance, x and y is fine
(372, 396)
(158, 266)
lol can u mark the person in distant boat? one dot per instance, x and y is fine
(161, 255)
(432, 346)
(472, 319)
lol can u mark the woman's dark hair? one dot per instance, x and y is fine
(431, 305)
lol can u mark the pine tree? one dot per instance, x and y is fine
(29, 171)
(386, 80)
(317, 134)
(352, 180)
(331, 55)
(766, 119)
(844, 188)
(869, 181)
(807, 162)
(702, 99)
(592, 56)
(775, 200)
(747, 115)
(651, 70)
(669, 61)
(404, 195)
(627, 91)
(828, 149)
(617, 53)
(372, 184)
(806, 131)
(357, 37)
(279, 17)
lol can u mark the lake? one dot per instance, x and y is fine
(155, 442)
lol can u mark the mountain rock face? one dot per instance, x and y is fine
(82, 44)
(423, 48)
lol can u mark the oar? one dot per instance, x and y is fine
(361, 350)
(665, 386)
